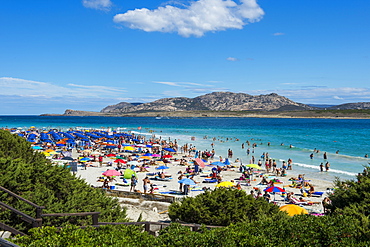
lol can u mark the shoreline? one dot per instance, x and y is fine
(91, 175)
(322, 114)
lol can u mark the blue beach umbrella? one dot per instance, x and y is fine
(36, 147)
(186, 181)
(218, 163)
(85, 159)
(170, 150)
(162, 167)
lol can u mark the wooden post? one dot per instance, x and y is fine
(39, 212)
(95, 219)
(147, 226)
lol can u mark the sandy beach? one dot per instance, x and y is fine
(152, 211)
(161, 164)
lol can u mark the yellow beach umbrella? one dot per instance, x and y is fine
(292, 209)
(254, 166)
(129, 148)
(46, 153)
(160, 162)
(225, 184)
(145, 157)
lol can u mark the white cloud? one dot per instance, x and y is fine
(167, 83)
(97, 4)
(320, 94)
(28, 88)
(278, 34)
(233, 59)
(194, 20)
(337, 97)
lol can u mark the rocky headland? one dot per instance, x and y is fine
(227, 104)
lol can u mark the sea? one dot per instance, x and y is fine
(345, 141)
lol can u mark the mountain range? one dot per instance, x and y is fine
(217, 103)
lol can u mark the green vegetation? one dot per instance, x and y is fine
(303, 230)
(222, 207)
(247, 221)
(353, 197)
(29, 174)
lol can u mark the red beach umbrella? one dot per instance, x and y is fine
(120, 161)
(110, 173)
(200, 162)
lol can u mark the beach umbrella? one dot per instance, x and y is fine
(140, 145)
(225, 184)
(110, 173)
(274, 189)
(199, 162)
(67, 158)
(111, 155)
(37, 147)
(129, 148)
(218, 163)
(148, 154)
(187, 181)
(167, 156)
(162, 167)
(254, 166)
(292, 209)
(156, 155)
(170, 150)
(145, 157)
(119, 161)
(159, 162)
(133, 162)
(128, 173)
(85, 159)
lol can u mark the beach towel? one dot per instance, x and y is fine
(210, 181)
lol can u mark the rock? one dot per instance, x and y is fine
(217, 101)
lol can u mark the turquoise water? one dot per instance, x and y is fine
(349, 136)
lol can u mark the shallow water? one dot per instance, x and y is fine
(348, 136)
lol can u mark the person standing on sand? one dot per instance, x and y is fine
(146, 181)
(180, 184)
(133, 183)
(100, 160)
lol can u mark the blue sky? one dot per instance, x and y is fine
(85, 55)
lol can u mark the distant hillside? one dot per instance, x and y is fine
(352, 106)
(217, 101)
(321, 106)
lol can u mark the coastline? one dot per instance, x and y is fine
(149, 210)
(322, 114)
(91, 172)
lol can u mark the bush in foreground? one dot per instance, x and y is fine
(222, 207)
(29, 174)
